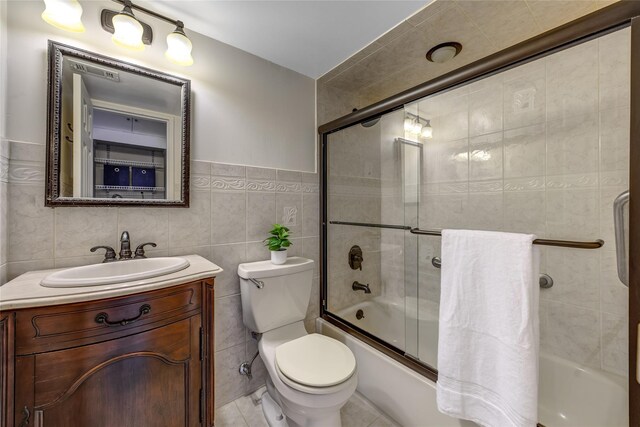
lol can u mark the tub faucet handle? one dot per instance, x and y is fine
(355, 257)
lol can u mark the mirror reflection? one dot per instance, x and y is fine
(121, 134)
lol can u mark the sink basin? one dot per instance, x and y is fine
(114, 272)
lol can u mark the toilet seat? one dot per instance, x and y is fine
(314, 363)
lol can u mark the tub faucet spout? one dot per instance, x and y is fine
(357, 286)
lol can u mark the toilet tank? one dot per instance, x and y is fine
(275, 295)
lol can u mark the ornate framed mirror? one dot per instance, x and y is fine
(118, 133)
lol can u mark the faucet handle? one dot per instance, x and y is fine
(110, 254)
(140, 250)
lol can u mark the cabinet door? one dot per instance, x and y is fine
(6, 368)
(149, 379)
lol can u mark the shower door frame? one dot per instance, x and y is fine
(625, 13)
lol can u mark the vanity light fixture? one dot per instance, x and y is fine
(444, 52)
(64, 14)
(130, 32)
(413, 124)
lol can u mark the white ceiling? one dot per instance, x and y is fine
(308, 36)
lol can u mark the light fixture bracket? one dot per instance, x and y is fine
(106, 20)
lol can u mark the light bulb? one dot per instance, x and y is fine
(179, 48)
(427, 131)
(417, 127)
(64, 14)
(127, 30)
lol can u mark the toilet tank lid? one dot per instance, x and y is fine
(264, 269)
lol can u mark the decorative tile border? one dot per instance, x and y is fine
(572, 181)
(310, 188)
(200, 182)
(23, 172)
(453, 187)
(614, 179)
(288, 187)
(224, 183)
(256, 185)
(524, 184)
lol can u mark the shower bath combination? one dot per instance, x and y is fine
(494, 163)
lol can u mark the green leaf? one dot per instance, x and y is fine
(279, 238)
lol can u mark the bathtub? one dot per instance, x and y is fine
(569, 395)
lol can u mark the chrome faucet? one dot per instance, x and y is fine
(357, 286)
(125, 246)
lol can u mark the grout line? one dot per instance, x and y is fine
(235, 403)
(533, 15)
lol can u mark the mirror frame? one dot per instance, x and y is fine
(56, 51)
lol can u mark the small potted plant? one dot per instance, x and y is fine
(278, 243)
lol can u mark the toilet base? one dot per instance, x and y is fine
(272, 407)
(272, 412)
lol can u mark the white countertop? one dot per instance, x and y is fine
(25, 290)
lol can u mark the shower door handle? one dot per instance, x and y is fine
(621, 251)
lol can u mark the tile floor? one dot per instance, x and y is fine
(358, 412)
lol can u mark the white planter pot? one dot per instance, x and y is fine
(279, 257)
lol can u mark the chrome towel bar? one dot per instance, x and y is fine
(544, 242)
(545, 281)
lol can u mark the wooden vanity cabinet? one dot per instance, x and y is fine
(138, 360)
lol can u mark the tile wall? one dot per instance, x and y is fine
(396, 60)
(354, 196)
(541, 148)
(232, 209)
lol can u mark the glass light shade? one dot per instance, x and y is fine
(179, 49)
(64, 14)
(127, 31)
(408, 124)
(427, 131)
(417, 127)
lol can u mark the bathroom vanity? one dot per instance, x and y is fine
(125, 354)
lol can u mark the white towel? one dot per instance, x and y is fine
(489, 328)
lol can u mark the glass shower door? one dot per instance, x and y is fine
(542, 148)
(370, 207)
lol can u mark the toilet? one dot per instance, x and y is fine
(311, 376)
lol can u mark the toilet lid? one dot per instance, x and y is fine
(315, 360)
